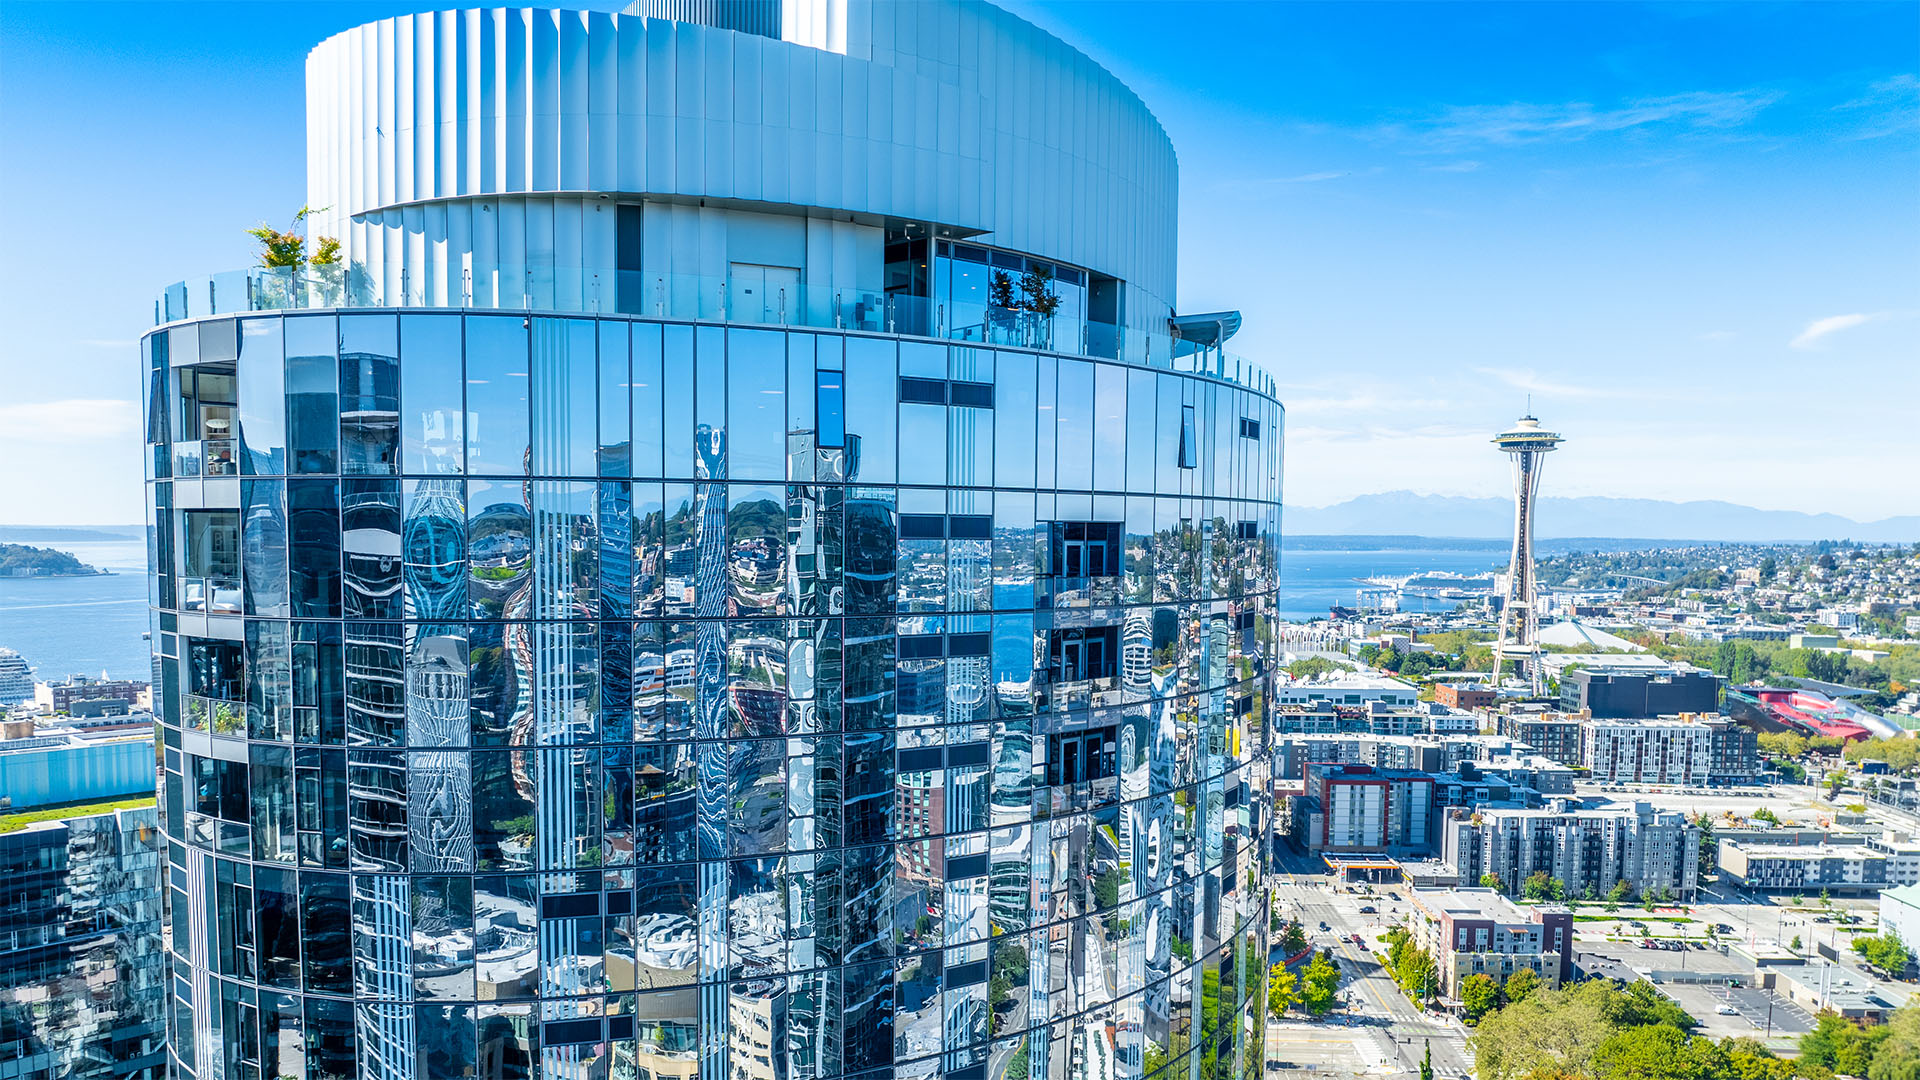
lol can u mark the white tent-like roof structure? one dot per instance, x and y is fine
(1581, 635)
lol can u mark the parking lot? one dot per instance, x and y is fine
(1740, 1011)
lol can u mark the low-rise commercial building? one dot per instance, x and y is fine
(1610, 693)
(1903, 856)
(1348, 690)
(1900, 913)
(1464, 695)
(1588, 852)
(60, 697)
(50, 764)
(1480, 932)
(1803, 867)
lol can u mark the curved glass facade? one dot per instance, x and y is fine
(565, 696)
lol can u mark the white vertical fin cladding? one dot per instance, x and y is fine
(947, 112)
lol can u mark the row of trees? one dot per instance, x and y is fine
(1412, 968)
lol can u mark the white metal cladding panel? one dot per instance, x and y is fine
(965, 116)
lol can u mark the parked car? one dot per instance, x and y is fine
(1358, 940)
(1726, 1010)
(1367, 909)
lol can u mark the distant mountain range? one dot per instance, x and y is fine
(1405, 513)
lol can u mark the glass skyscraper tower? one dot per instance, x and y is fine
(739, 570)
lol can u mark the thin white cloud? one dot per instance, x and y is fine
(1717, 335)
(1456, 167)
(1519, 123)
(72, 420)
(1311, 178)
(1832, 324)
(1889, 107)
(1530, 381)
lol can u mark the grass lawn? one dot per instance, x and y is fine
(16, 822)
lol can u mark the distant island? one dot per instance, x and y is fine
(19, 560)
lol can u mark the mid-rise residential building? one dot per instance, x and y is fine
(1358, 808)
(83, 967)
(61, 697)
(532, 587)
(1804, 867)
(1688, 749)
(1589, 852)
(1559, 736)
(1609, 693)
(1475, 931)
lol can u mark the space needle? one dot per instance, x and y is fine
(1527, 443)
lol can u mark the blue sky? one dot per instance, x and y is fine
(1690, 231)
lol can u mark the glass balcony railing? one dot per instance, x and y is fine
(705, 299)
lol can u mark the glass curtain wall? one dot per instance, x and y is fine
(575, 697)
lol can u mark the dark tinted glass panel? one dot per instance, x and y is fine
(369, 395)
(277, 899)
(371, 555)
(313, 529)
(263, 546)
(324, 917)
(313, 394)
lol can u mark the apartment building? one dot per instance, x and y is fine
(1480, 932)
(1588, 851)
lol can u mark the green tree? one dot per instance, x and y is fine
(1794, 945)
(1417, 975)
(1318, 983)
(1283, 990)
(1898, 1055)
(1293, 938)
(1479, 995)
(1491, 880)
(1521, 983)
(1537, 886)
(1884, 951)
(1426, 1062)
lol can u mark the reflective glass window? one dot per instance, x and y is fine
(324, 918)
(313, 542)
(313, 394)
(433, 547)
(369, 395)
(564, 397)
(431, 395)
(646, 397)
(499, 547)
(1014, 412)
(497, 410)
(756, 406)
(870, 410)
(371, 551)
(262, 394)
(616, 392)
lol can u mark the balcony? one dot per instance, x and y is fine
(702, 299)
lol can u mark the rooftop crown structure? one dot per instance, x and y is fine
(739, 570)
(1526, 442)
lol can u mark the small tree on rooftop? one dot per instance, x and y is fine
(289, 248)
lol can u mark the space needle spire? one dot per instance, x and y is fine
(1526, 443)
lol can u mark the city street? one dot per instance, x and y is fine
(1369, 999)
